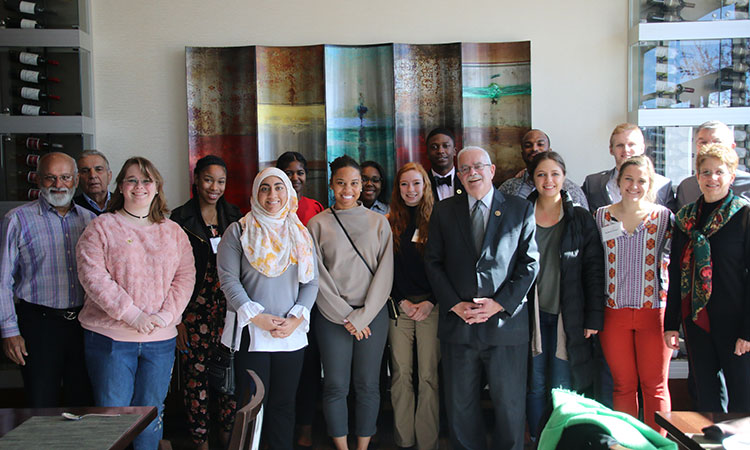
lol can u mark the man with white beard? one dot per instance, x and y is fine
(41, 332)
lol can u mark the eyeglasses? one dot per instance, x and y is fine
(52, 179)
(477, 167)
(133, 182)
(374, 180)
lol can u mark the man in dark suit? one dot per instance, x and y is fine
(481, 260)
(601, 188)
(441, 149)
(95, 175)
(709, 133)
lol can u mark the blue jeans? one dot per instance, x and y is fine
(546, 369)
(131, 374)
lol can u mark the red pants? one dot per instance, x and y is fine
(633, 344)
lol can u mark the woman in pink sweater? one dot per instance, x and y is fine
(138, 273)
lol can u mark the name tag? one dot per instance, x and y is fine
(612, 231)
(415, 237)
(215, 243)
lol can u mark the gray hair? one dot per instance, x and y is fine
(92, 152)
(718, 128)
(46, 156)
(471, 148)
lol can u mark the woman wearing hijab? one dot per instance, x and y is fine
(204, 218)
(268, 272)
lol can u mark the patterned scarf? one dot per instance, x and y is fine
(273, 242)
(695, 264)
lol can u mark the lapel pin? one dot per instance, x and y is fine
(497, 213)
(458, 191)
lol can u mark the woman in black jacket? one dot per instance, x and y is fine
(204, 218)
(567, 299)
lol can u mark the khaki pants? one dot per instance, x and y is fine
(424, 424)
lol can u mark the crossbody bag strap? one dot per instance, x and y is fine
(351, 241)
(234, 333)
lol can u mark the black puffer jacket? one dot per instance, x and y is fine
(188, 216)
(581, 288)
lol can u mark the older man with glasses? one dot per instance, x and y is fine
(41, 332)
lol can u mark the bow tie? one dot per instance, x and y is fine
(443, 180)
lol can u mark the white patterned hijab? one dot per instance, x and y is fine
(273, 242)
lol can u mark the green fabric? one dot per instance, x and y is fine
(695, 281)
(573, 409)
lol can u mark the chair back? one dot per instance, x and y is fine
(248, 421)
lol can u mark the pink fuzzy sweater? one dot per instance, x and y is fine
(127, 269)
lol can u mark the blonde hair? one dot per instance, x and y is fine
(641, 161)
(722, 152)
(621, 128)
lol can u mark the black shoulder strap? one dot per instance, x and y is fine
(351, 241)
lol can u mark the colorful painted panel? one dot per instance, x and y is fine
(373, 102)
(497, 101)
(222, 114)
(359, 104)
(291, 110)
(427, 83)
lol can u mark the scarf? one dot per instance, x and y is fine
(273, 242)
(695, 262)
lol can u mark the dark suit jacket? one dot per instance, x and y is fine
(505, 269)
(595, 188)
(81, 201)
(458, 188)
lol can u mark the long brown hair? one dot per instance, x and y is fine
(158, 209)
(399, 214)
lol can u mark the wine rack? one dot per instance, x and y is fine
(671, 11)
(688, 64)
(46, 88)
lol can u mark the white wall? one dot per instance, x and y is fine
(578, 61)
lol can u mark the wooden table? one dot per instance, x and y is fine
(107, 432)
(685, 427)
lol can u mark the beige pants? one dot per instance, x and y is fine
(424, 423)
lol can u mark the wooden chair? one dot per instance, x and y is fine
(249, 419)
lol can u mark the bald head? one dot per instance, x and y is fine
(54, 159)
(532, 143)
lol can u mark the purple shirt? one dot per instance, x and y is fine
(38, 259)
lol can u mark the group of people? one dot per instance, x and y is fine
(536, 285)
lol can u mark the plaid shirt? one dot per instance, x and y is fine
(38, 259)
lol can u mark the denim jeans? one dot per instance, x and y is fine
(131, 374)
(547, 372)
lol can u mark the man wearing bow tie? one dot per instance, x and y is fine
(441, 149)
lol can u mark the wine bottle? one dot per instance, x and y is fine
(11, 22)
(739, 52)
(663, 17)
(37, 94)
(740, 135)
(671, 4)
(33, 59)
(31, 160)
(33, 143)
(25, 7)
(664, 70)
(740, 67)
(34, 110)
(663, 53)
(33, 76)
(735, 85)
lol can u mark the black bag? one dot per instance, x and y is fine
(220, 366)
(393, 311)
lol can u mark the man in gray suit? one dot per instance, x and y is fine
(481, 260)
(601, 188)
(708, 133)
